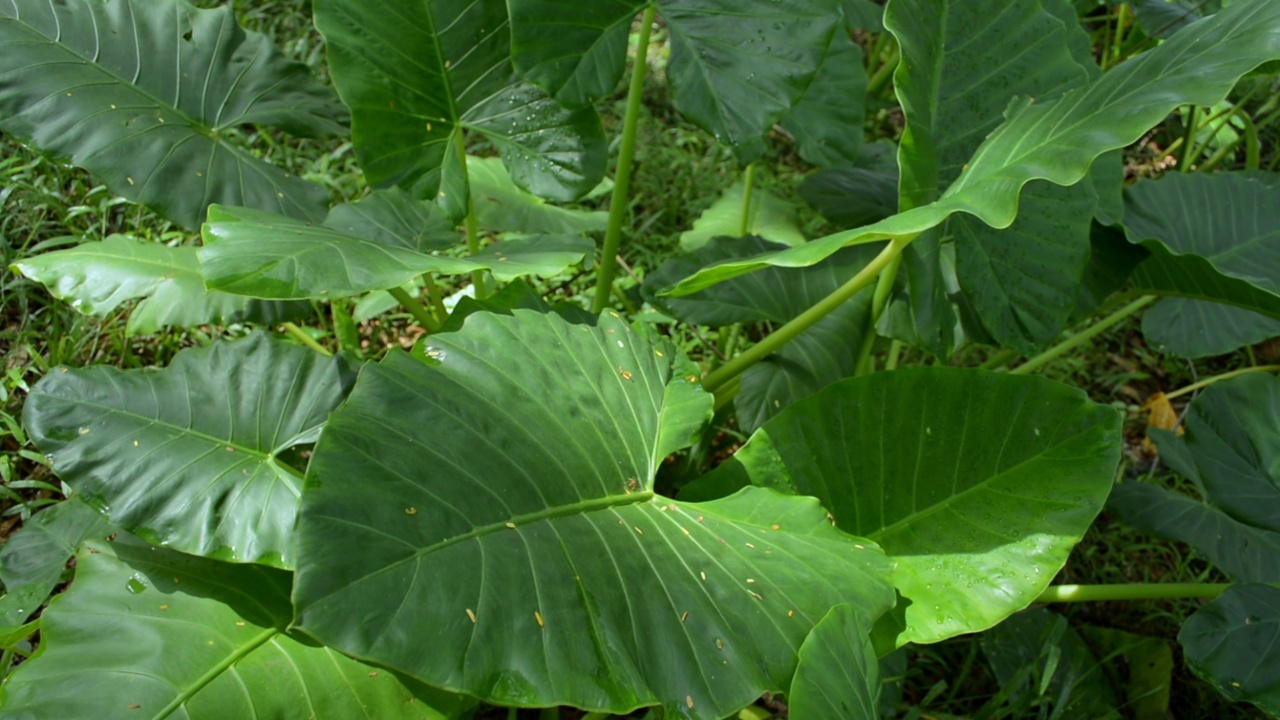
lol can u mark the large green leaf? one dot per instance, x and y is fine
(144, 94)
(417, 75)
(502, 514)
(827, 122)
(502, 206)
(195, 456)
(34, 559)
(145, 632)
(1232, 452)
(736, 65)
(817, 357)
(1059, 140)
(1041, 661)
(37, 554)
(248, 252)
(962, 62)
(1234, 643)
(393, 217)
(1244, 552)
(1231, 438)
(839, 673)
(96, 277)
(1213, 236)
(977, 484)
(1195, 328)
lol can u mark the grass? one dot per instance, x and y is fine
(680, 171)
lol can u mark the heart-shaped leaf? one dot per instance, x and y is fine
(503, 513)
(96, 277)
(194, 456)
(977, 484)
(259, 254)
(143, 94)
(839, 673)
(1059, 140)
(155, 633)
(416, 76)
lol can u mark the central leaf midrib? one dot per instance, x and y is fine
(215, 672)
(916, 516)
(267, 457)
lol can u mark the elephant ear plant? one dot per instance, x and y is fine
(265, 528)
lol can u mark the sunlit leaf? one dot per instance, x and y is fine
(506, 519)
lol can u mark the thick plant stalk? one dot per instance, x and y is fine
(748, 185)
(305, 339)
(416, 309)
(1131, 591)
(766, 347)
(1217, 378)
(472, 227)
(884, 286)
(1082, 337)
(622, 180)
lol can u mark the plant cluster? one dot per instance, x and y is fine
(530, 503)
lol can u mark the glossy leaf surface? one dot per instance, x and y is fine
(97, 277)
(271, 256)
(37, 554)
(191, 456)
(143, 94)
(839, 673)
(503, 512)
(416, 76)
(977, 484)
(1234, 643)
(145, 632)
(1059, 140)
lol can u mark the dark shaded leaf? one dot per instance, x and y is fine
(1234, 643)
